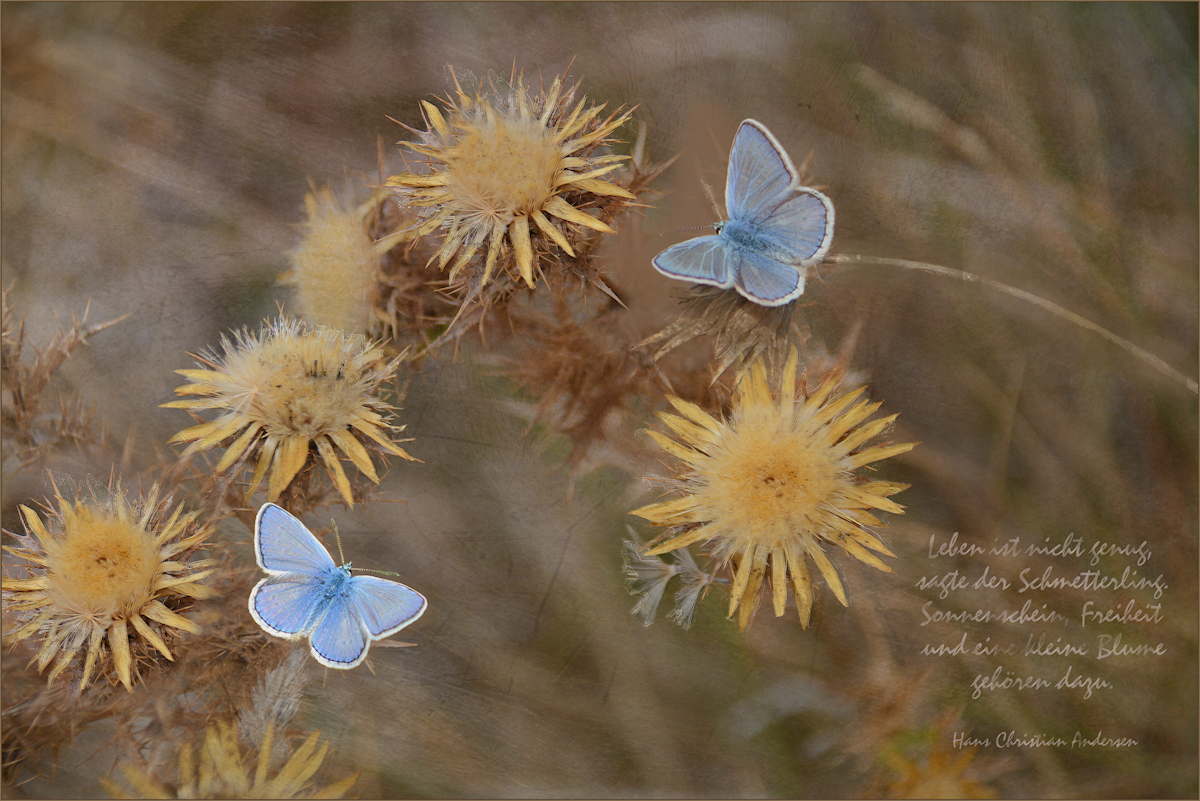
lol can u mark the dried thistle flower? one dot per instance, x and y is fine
(773, 483)
(291, 393)
(742, 331)
(107, 568)
(29, 429)
(336, 264)
(502, 164)
(579, 364)
(220, 772)
(648, 577)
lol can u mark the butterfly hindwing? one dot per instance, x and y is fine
(767, 282)
(339, 639)
(367, 609)
(285, 606)
(384, 607)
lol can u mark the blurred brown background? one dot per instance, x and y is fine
(155, 159)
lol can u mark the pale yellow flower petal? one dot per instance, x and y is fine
(335, 468)
(878, 454)
(758, 570)
(151, 637)
(778, 580)
(118, 641)
(682, 541)
(518, 232)
(159, 613)
(238, 447)
(550, 230)
(561, 208)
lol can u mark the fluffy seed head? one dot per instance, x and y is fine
(335, 265)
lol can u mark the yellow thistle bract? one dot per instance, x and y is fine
(335, 265)
(220, 773)
(103, 577)
(293, 392)
(511, 171)
(940, 776)
(767, 488)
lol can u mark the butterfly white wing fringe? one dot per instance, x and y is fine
(776, 227)
(305, 594)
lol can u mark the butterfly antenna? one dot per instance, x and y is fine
(382, 572)
(338, 536)
(342, 557)
(712, 199)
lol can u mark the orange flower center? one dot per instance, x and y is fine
(774, 483)
(103, 565)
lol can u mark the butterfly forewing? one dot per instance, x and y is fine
(705, 260)
(760, 174)
(384, 607)
(282, 544)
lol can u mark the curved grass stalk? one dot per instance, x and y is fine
(1053, 308)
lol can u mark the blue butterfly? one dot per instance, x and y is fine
(776, 228)
(306, 594)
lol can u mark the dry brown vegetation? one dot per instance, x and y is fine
(156, 159)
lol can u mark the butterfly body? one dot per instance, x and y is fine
(776, 228)
(306, 594)
(748, 237)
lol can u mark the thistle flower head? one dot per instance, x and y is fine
(219, 771)
(511, 173)
(292, 393)
(938, 775)
(109, 579)
(336, 264)
(774, 483)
